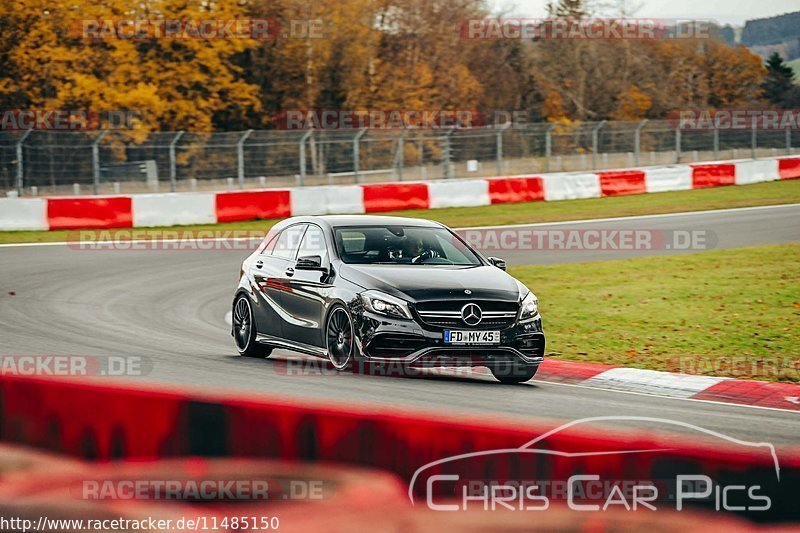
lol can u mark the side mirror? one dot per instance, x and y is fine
(499, 263)
(309, 262)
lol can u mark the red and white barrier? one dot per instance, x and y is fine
(23, 214)
(331, 200)
(148, 210)
(90, 212)
(395, 196)
(669, 178)
(173, 209)
(252, 205)
(789, 168)
(516, 190)
(458, 193)
(571, 186)
(713, 175)
(757, 171)
(620, 182)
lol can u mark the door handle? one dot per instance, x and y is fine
(290, 271)
(259, 264)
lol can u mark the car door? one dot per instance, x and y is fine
(307, 289)
(269, 272)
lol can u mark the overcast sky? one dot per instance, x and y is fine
(724, 11)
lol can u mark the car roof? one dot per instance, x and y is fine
(366, 220)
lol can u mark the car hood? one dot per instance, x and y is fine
(421, 282)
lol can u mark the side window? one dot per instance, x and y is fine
(269, 243)
(314, 244)
(289, 241)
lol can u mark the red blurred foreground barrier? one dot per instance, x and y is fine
(107, 422)
(59, 494)
(245, 494)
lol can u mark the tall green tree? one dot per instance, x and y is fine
(779, 80)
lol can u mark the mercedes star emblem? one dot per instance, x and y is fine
(471, 314)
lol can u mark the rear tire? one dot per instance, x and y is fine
(513, 373)
(244, 331)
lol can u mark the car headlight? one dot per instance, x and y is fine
(385, 304)
(530, 307)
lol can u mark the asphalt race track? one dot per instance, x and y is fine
(168, 307)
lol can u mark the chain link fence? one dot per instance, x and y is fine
(110, 162)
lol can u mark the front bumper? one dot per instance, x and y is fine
(383, 339)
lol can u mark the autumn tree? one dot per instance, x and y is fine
(171, 83)
(355, 54)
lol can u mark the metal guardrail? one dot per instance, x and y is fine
(50, 162)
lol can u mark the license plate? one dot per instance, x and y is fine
(471, 337)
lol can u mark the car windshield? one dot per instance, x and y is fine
(402, 245)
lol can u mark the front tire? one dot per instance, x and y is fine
(514, 373)
(340, 338)
(244, 331)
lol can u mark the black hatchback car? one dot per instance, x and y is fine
(394, 290)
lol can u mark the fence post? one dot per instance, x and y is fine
(753, 139)
(678, 144)
(357, 154)
(548, 146)
(173, 164)
(446, 155)
(302, 175)
(500, 132)
(637, 142)
(96, 161)
(401, 154)
(788, 141)
(20, 167)
(596, 142)
(716, 143)
(240, 157)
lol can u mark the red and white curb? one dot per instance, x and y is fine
(171, 209)
(785, 396)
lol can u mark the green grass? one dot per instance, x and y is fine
(729, 313)
(779, 192)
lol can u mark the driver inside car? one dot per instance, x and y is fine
(412, 247)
